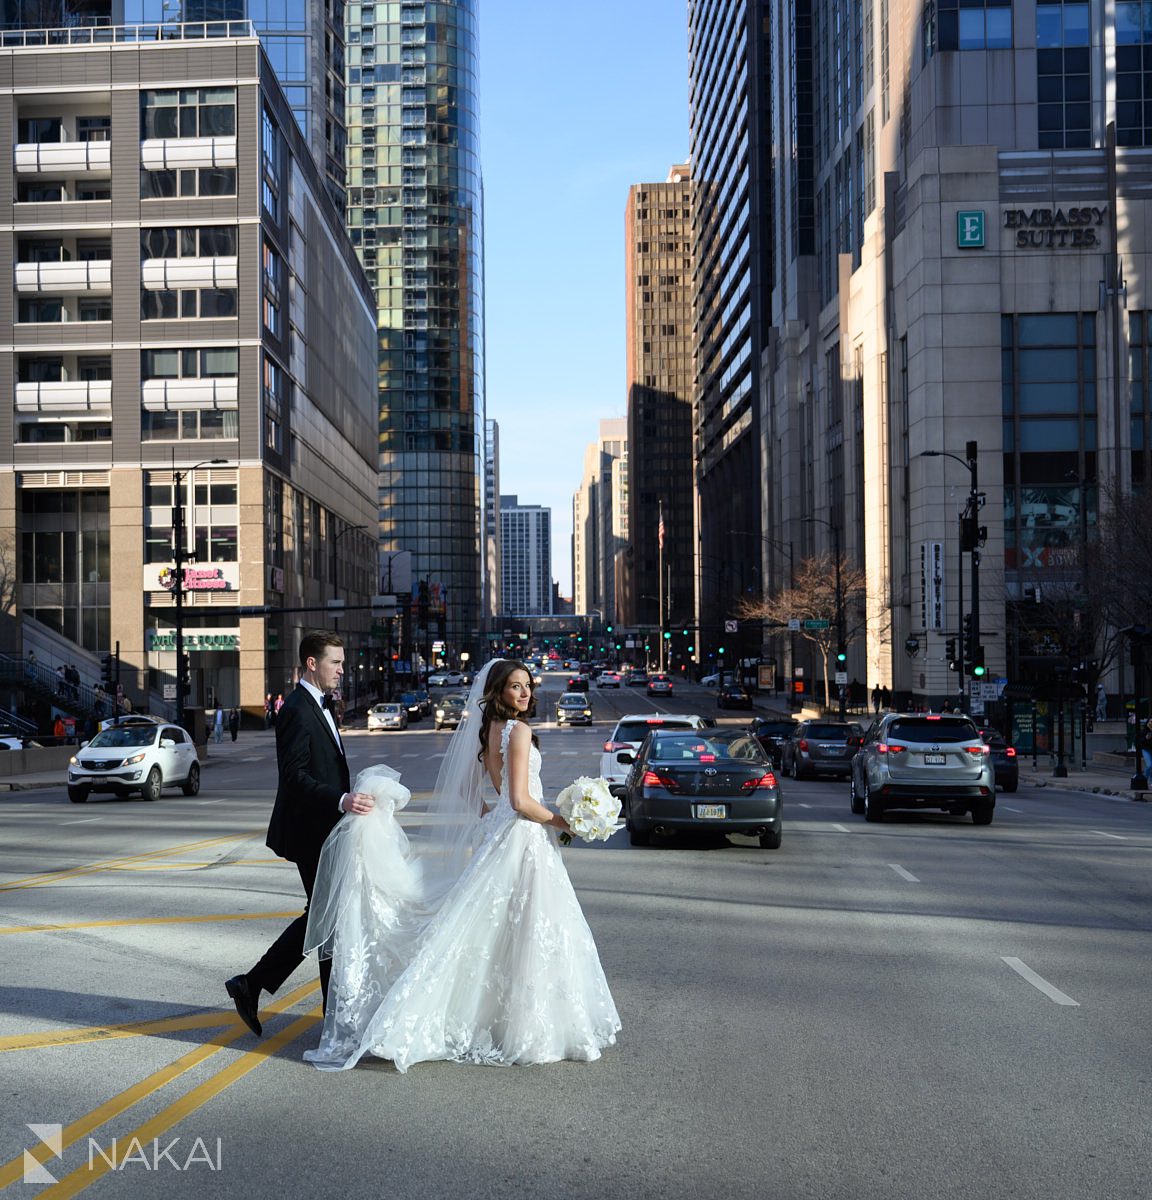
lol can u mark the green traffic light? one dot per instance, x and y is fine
(979, 670)
(721, 649)
(668, 635)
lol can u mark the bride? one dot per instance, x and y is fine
(458, 936)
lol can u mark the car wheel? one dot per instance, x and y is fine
(1012, 785)
(854, 800)
(771, 840)
(982, 814)
(152, 785)
(872, 810)
(191, 785)
(795, 771)
(78, 795)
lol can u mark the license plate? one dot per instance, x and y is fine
(711, 812)
(935, 760)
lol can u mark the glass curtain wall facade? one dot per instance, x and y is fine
(304, 42)
(415, 215)
(732, 253)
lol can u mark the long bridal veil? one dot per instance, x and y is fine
(383, 877)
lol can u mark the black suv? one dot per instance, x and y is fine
(772, 733)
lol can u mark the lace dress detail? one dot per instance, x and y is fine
(505, 972)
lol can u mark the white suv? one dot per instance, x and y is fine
(631, 731)
(139, 757)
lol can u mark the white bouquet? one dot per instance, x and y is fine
(590, 809)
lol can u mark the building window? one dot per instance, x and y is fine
(198, 181)
(1140, 351)
(1063, 76)
(973, 24)
(1048, 377)
(206, 241)
(206, 303)
(1133, 84)
(189, 425)
(209, 363)
(188, 113)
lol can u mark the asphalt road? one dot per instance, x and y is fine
(918, 1009)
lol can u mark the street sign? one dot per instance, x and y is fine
(841, 677)
(793, 624)
(815, 623)
(169, 691)
(731, 626)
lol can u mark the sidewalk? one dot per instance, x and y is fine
(249, 742)
(1099, 780)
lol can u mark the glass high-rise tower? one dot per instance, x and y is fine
(415, 214)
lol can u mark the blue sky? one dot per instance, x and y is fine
(578, 102)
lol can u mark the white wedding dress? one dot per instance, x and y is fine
(504, 971)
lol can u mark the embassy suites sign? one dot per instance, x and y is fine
(1056, 228)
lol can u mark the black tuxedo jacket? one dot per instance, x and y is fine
(313, 776)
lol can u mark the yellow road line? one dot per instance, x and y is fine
(266, 916)
(102, 1033)
(112, 863)
(11, 1171)
(82, 1177)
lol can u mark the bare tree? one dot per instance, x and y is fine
(1119, 575)
(8, 577)
(812, 599)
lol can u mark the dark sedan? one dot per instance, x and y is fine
(578, 683)
(681, 780)
(1004, 760)
(414, 704)
(772, 733)
(637, 679)
(733, 696)
(821, 748)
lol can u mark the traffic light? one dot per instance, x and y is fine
(185, 675)
(685, 632)
(721, 651)
(691, 649)
(667, 634)
(841, 654)
(977, 669)
(950, 653)
(607, 628)
(108, 671)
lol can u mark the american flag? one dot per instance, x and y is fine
(660, 530)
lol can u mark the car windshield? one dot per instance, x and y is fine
(828, 730)
(387, 708)
(693, 748)
(409, 697)
(573, 701)
(451, 702)
(636, 731)
(124, 737)
(929, 729)
(764, 728)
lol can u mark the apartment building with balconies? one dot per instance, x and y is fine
(187, 323)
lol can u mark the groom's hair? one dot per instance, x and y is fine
(315, 642)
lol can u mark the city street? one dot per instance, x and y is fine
(916, 1009)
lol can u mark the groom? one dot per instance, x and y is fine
(311, 797)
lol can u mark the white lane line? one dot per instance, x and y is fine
(842, 828)
(1039, 982)
(1007, 809)
(803, 805)
(903, 874)
(569, 753)
(82, 821)
(1101, 833)
(253, 758)
(212, 801)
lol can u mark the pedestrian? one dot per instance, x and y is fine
(234, 723)
(30, 665)
(312, 795)
(1144, 745)
(277, 706)
(219, 725)
(268, 715)
(885, 698)
(58, 729)
(1101, 703)
(74, 680)
(61, 682)
(876, 698)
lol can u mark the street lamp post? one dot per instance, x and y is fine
(181, 555)
(841, 635)
(969, 539)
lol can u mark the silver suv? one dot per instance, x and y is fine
(923, 760)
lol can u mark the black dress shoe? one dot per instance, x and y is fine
(246, 999)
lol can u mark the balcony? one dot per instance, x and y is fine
(163, 154)
(65, 277)
(68, 397)
(64, 158)
(216, 392)
(164, 274)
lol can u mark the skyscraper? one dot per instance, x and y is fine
(658, 221)
(492, 574)
(526, 557)
(732, 243)
(598, 519)
(415, 215)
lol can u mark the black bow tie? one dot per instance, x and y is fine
(327, 703)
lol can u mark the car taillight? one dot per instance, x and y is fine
(1011, 751)
(883, 748)
(765, 781)
(983, 748)
(707, 757)
(655, 779)
(803, 744)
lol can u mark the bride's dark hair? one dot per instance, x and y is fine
(492, 702)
